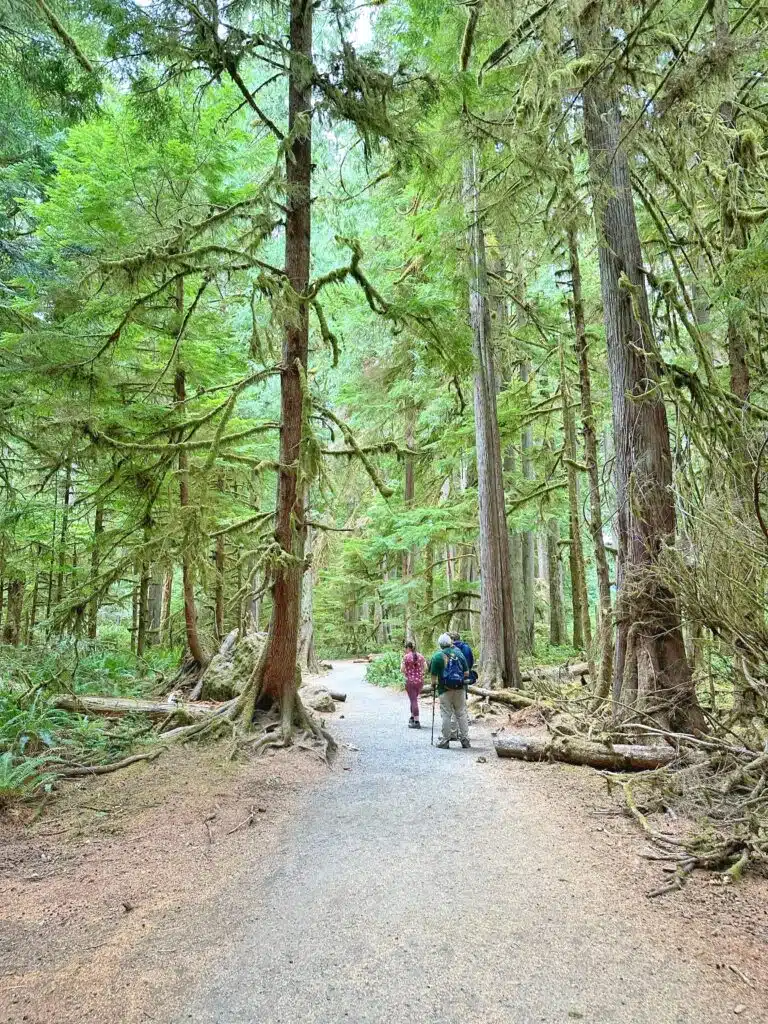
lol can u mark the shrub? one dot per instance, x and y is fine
(385, 671)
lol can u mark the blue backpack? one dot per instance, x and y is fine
(453, 673)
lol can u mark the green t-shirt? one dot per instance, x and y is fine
(437, 665)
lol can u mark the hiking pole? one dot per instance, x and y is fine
(434, 696)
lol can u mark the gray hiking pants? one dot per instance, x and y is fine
(454, 702)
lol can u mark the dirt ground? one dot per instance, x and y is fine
(94, 889)
(104, 886)
(722, 925)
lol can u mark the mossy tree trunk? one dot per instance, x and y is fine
(194, 643)
(602, 683)
(93, 604)
(555, 567)
(498, 639)
(528, 541)
(582, 626)
(651, 672)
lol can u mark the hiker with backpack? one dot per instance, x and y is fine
(449, 671)
(413, 667)
(466, 650)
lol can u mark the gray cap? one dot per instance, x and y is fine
(444, 640)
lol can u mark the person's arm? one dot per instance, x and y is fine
(435, 678)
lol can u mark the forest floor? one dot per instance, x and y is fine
(406, 882)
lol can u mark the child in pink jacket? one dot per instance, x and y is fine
(413, 667)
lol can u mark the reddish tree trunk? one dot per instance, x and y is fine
(279, 681)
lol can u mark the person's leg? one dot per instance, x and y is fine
(415, 700)
(461, 715)
(410, 689)
(446, 712)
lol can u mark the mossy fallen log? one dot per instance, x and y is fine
(555, 673)
(620, 757)
(512, 698)
(87, 705)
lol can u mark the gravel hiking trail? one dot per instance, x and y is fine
(423, 885)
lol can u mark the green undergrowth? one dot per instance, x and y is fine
(38, 739)
(385, 671)
(549, 654)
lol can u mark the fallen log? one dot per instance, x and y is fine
(86, 705)
(574, 750)
(337, 695)
(556, 672)
(512, 698)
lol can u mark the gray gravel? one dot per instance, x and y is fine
(419, 885)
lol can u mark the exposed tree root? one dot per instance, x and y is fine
(104, 769)
(708, 852)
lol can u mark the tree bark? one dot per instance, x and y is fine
(254, 601)
(155, 608)
(64, 530)
(135, 602)
(602, 683)
(498, 641)
(528, 542)
(278, 685)
(651, 671)
(307, 656)
(93, 604)
(582, 627)
(187, 569)
(409, 494)
(12, 630)
(219, 561)
(32, 621)
(143, 611)
(556, 616)
(165, 608)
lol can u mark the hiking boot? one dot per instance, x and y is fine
(443, 744)
(465, 744)
(416, 723)
(413, 724)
